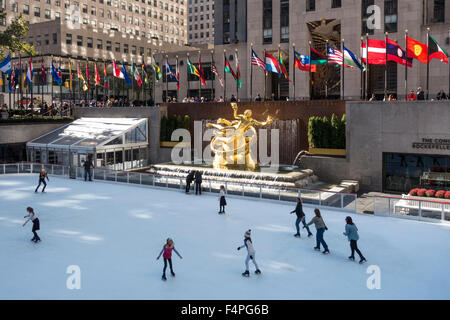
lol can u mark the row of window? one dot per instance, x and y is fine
(196, 35)
(201, 9)
(45, 40)
(199, 1)
(201, 26)
(201, 17)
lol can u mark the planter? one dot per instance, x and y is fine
(328, 152)
(171, 144)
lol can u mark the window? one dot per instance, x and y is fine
(439, 11)
(284, 20)
(310, 5)
(125, 48)
(390, 16)
(47, 14)
(55, 38)
(108, 46)
(267, 21)
(335, 3)
(80, 41)
(226, 21)
(68, 38)
(85, 8)
(117, 47)
(90, 42)
(26, 9)
(99, 44)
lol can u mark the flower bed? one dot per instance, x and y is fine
(430, 193)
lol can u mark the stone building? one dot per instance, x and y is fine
(200, 22)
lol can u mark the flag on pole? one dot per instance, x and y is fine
(416, 49)
(257, 61)
(200, 70)
(192, 69)
(178, 75)
(214, 70)
(229, 69)
(43, 74)
(97, 75)
(29, 76)
(70, 76)
(135, 73)
(283, 67)
(144, 74)
(117, 72)
(272, 64)
(55, 75)
(12, 81)
(302, 62)
(376, 52)
(170, 73)
(125, 74)
(335, 56)
(105, 75)
(350, 60)
(396, 53)
(80, 76)
(156, 69)
(5, 65)
(317, 58)
(87, 75)
(435, 51)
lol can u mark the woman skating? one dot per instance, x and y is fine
(167, 249)
(351, 231)
(320, 227)
(32, 216)
(42, 176)
(300, 218)
(250, 253)
(222, 200)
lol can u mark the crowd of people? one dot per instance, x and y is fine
(414, 95)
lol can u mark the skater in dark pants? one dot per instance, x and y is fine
(88, 165)
(167, 255)
(189, 179)
(198, 182)
(32, 216)
(320, 227)
(300, 218)
(250, 253)
(351, 231)
(222, 200)
(42, 176)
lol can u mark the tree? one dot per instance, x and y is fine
(12, 38)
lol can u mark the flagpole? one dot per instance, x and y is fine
(167, 80)
(327, 72)
(213, 95)
(279, 77)
(385, 66)
(343, 69)
(293, 46)
(51, 69)
(251, 72)
(310, 82)
(224, 76)
(176, 76)
(42, 81)
(406, 65)
(154, 77)
(428, 63)
(201, 75)
(143, 82)
(31, 80)
(187, 76)
(237, 70)
(265, 78)
(20, 81)
(367, 66)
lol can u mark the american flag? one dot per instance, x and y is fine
(334, 56)
(214, 70)
(256, 61)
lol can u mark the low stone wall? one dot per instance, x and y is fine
(21, 133)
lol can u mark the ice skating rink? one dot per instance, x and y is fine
(114, 233)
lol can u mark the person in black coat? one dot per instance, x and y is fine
(420, 94)
(189, 179)
(88, 165)
(300, 218)
(198, 182)
(42, 176)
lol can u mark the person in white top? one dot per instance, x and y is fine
(222, 200)
(32, 216)
(250, 253)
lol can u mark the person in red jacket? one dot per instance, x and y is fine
(167, 255)
(412, 96)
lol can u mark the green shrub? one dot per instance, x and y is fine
(186, 122)
(325, 134)
(163, 129)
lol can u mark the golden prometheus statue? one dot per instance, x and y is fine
(234, 142)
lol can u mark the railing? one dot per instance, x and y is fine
(412, 208)
(310, 197)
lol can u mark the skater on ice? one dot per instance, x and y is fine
(88, 165)
(222, 200)
(320, 227)
(300, 218)
(198, 182)
(32, 216)
(250, 253)
(42, 176)
(351, 231)
(189, 179)
(167, 255)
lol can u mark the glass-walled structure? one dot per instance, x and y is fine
(113, 143)
(403, 172)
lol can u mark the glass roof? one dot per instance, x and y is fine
(87, 132)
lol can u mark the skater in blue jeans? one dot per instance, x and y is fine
(321, 227)
(300, 218)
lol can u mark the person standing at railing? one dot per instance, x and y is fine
(222, 200)
(189, 179)
(36, 226)
(198, 182)
(351, 231)
(42, 176)
(88, 165)
(320, 227)
(300, 218)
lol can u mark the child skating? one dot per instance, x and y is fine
(42, 176)
(222, 200)
(351, 231)
(32, 216)
(167, 255)
(250, 253)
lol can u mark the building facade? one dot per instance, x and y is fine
(200, 22)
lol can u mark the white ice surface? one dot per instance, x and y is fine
(114, 233)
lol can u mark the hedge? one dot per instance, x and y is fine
(171, 123)
(325, 134)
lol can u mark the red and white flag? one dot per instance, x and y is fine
(214, 70)
(377, 52)
(117, 72)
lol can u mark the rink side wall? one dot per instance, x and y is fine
(374, 128)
